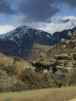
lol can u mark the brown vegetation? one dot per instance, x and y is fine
(49, 67)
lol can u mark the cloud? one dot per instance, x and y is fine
(33, 10)
(57, 25)
(5, 7)
(64, 21)
(11, 19)
(6, 28)
(38, 10)
(72, 3)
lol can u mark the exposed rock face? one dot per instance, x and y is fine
(60, 59)
(49, 66)
(20, 41)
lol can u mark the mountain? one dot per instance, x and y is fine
(69, 21)
(52, 64)
(60, 59)
(20, 41)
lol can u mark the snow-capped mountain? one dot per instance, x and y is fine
(69, 21)
(59, 24)
(20, 41)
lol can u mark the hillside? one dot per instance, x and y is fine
(10, 70)
(48, 66)
(59, 59)
(20, 41)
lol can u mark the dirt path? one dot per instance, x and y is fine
(73, 99)
(57, 94)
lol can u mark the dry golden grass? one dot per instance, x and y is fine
(57, 94)
(5, 60)
(73, 100)
(20, 64)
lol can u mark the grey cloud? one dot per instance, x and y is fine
(5, 7)
(65, 21)
(72, 3)
(38, 10)
(32, 10)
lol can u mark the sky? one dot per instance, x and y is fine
(47, 15)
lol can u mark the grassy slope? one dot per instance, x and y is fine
(57, 94)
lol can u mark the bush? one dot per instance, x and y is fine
(36, 79)
(11, 70)
(72, 77)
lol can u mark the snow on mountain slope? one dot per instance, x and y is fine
(59, 24)
(20, 41)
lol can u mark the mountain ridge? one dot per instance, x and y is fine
(20, 41)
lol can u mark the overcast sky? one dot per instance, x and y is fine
(42, 14)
